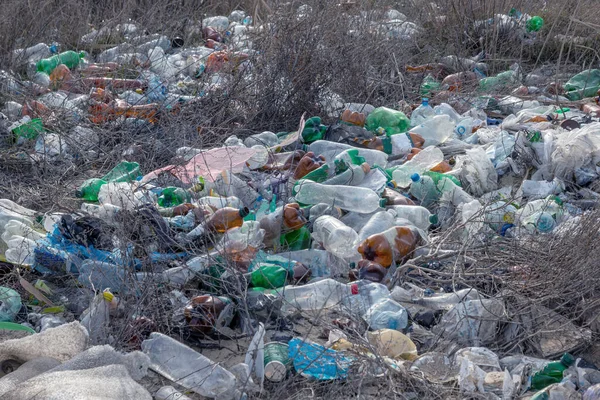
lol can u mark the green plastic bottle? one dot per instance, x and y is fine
(173, 196)
(392, 121)
(296, 240)
(313, 130)
(429, 85)
(124, 172)
(494, 82)
(89, 189)
(552, 372)
(268, 276)
(70, 58)
(534, 24)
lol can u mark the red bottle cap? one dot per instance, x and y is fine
(354, 288)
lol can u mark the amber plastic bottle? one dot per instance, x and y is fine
(394, 244)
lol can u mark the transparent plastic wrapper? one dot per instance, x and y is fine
(472, 322)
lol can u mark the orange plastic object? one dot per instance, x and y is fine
(102, 112)
(308, 163)
(293, 218)
(442, 167)
(354, 118)
(395, 244)
(456, 82)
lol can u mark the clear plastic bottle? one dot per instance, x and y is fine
(435, 130)
(420, 163)
(370, 156)
(379, 222)
(220, 202)
(421, 113)
(20, 250)
(96, 318)
(187, 367)
(332, 151)
(103, 211)
(10, 304)
(354, 175)
(424, 189)
(447, 109)
(169, 393)
(337, 238)
(348, 198)
(418, 215)
(227, 184)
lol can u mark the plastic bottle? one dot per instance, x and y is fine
(220, 202)
(552, 372)
(435, 130)
(188, 368)
(120, 194)
(351, 177)
(424, 189)
(421, 113)
(394, 244)
(33, 53)
(105, 211)
(18, 228)
(447, 109)
(348, 198)
(100, 275)
(331, 151)
(227, 184)
(10, 304)
(173, 196)
(21, 250)
(418, 215)
(370, 156)
(96, 318)
(393, 198)
(337, 238)
(169, 393)
(323, 294)
(423, 161)
(221, 221)
(69, 58)
(379, 222)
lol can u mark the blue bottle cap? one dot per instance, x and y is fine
(415, 177)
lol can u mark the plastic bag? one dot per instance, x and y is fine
(392, 121)
(478, 173)
(472, 322)
(470, 378)
(584, 84)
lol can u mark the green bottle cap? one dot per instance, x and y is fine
(244, 211)
(382, 203)
(433, 219)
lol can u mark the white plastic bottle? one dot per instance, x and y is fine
(337, 238)
(187, 367)
(348, 198)
(418, 215)
(17, 228)
(420, 163)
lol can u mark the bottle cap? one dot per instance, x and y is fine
(244, 211)
(382, 203)
(415, 177)
(425, 101)
(354, 288)
(433, 219)
(108, 296)
(355, 158)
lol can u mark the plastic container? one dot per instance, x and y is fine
(421, 113)
(348, 198)
(421, 162)
(188, 368)
(418, 215)
(337, 238)
(424, 189)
